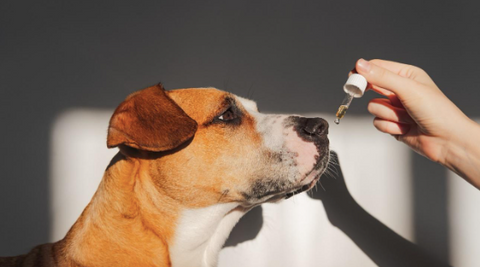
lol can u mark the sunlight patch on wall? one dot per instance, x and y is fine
(79, 156)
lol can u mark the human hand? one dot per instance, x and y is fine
(417, 113)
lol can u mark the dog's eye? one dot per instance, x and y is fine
(228, 115)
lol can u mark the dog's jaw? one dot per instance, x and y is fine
(201, 233)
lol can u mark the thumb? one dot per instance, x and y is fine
(376, 75)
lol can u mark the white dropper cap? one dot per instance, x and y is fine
(355, 85)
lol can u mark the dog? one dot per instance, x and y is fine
(191, 162)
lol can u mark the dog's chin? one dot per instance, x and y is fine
(311, 182)
(304, 183)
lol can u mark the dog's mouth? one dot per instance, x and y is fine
(303, 188)
(313, 176)
(273, 190)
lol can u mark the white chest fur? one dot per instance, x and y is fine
(201, 233)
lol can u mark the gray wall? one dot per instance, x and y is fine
(290, 56)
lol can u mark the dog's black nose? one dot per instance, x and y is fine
(316, 126)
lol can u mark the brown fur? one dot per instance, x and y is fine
(132, 217)
(150, 120)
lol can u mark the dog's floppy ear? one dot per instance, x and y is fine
(150, 120)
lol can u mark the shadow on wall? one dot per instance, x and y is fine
(430, 212)
(247, 228)
(381, 244)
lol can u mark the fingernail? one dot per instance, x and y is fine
(363, 65)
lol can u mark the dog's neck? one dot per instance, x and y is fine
(201, 233)
(129, 223)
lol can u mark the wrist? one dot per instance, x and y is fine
(341, 211)
(463, 152)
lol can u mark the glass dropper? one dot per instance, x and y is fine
(342, 110)
(354, 88)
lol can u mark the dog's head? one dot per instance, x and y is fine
(206, 146)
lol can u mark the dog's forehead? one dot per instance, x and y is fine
(248, 104)
(201, 103)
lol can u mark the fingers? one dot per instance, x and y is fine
(395, 101)
(386, 79)
(382, 108)
(395, 67)
(405, 70)
(391, 96)
(388, 118)
(380, 90)
(390, 127)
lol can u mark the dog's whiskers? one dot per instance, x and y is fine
(320, 182)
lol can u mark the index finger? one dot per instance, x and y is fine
(404, 70)
(378, 76)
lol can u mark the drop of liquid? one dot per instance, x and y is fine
(337, 121)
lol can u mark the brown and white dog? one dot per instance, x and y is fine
(191, 163)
